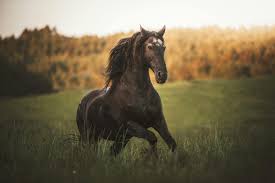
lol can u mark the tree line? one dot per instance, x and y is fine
(42, 60)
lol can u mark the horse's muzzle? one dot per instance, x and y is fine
(161, 77)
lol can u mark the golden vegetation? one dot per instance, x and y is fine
(43, 60)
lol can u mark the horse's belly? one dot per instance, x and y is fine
(107, 129)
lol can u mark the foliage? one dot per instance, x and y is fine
(79, 62)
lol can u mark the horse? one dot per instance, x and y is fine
(128, 104)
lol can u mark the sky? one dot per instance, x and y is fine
(82, 17)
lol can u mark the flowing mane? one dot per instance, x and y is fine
(120, 57)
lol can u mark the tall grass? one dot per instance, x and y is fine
(31, 152)
(224, 131)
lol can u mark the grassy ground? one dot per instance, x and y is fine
(225, 132)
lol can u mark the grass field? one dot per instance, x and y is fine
(225, 132)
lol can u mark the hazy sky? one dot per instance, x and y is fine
(80, 17)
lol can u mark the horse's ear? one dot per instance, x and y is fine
(162, 31)
(143, 31)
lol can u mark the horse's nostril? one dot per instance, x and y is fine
(159, 74)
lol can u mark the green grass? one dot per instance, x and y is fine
(225, 130)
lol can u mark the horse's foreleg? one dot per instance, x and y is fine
(161, 128)
(136, 130)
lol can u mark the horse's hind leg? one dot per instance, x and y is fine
(119, 145)
(136, 130)
(81, 125)
(87, 135)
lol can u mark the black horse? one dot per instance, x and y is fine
(128, 104)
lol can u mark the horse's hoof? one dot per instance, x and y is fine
(173, 146)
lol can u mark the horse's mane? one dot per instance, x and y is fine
(120, 56)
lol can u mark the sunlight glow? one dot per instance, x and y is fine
(104, 16)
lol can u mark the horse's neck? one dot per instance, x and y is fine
(136, 77)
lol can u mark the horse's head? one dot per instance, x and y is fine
(153, 52)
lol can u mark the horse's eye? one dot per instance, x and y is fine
(150, 46)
